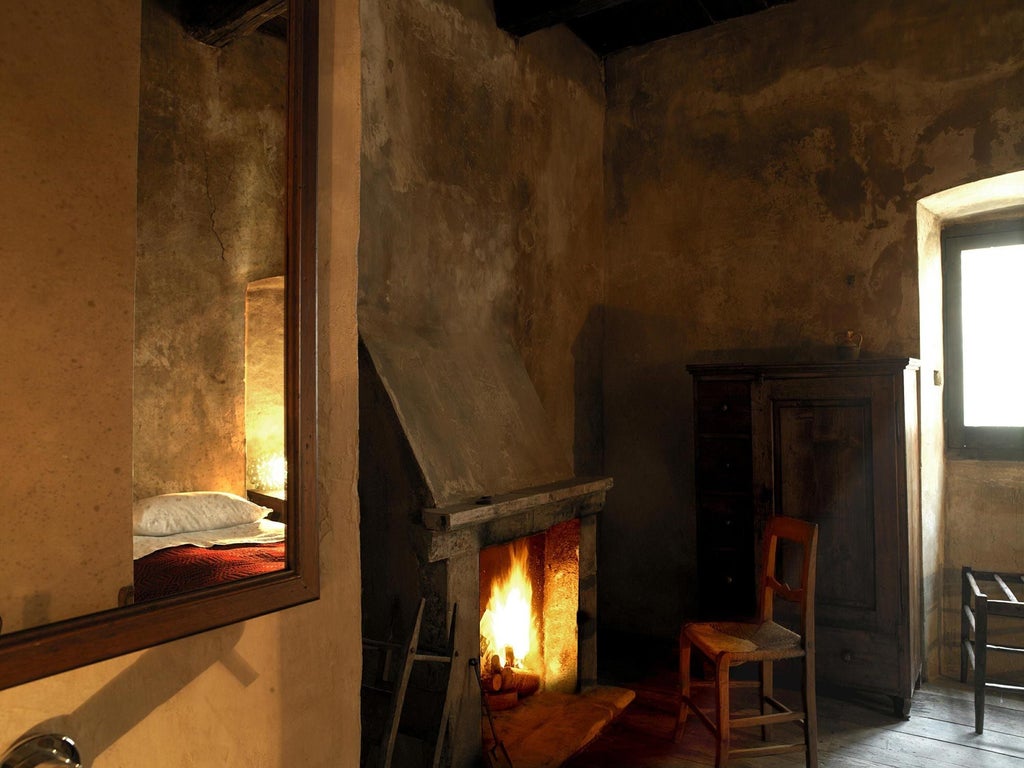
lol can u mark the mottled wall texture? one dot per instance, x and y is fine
(761, 184)
(211, 219)
(482, 179)
(277, 691)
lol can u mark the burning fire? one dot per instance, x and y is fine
(508, 625)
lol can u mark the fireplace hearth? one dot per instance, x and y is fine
(456, 464)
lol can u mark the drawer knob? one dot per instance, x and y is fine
(725, 407)
(728, 579)
(846, 655)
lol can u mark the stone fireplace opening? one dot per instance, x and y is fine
(529, 601)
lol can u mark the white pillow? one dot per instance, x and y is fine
(193, 511)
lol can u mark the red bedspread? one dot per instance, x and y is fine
(175, 570)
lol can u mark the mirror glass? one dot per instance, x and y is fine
(208, 373)
(159, 335)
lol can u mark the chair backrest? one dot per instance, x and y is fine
(806, 535)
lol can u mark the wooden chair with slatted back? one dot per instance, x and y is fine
(729, 644)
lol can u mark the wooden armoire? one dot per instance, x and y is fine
(835, 443)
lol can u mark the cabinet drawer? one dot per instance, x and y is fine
(727, 582)
(858, 659)
(724, 464)
(723, 407)
(725, 521)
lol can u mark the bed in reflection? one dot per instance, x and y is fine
(187, 541)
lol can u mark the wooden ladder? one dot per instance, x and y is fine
(394, 670)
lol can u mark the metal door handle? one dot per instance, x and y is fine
(42, 749)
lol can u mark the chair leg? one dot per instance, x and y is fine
(965, 627)
(684, 684)
(722, 710)
(980, 662)
(767, 689)
(810, 713)
(979, 688)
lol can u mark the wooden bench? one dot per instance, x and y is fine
(974, 644)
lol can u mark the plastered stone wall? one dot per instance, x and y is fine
(67, 252)
(933, 464)
(281, 690)
(983, 523)
(211, 219)
(482, 201)
(761, 186)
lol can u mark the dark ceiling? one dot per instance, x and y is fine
(219, 22)
(607, 26)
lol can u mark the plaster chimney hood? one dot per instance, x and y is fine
(473, 421)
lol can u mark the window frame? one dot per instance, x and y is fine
(965, 442)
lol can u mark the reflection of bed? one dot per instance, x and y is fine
(182, 569)
(189, 541)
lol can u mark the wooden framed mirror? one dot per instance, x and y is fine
(32, 650)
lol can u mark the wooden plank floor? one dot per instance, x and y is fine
(855, 731)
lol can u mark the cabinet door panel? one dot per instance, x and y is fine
(834, 463)
(823, 473)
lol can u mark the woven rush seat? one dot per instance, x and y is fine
(767, 640)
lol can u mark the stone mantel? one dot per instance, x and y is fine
(468, 527)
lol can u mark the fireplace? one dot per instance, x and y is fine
(466, 540)
(458, 473)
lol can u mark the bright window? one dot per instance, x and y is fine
(983, 277)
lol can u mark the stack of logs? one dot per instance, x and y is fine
(505, 685)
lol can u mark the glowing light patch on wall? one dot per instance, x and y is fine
(265, 468)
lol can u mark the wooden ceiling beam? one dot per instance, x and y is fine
(219, 23)
(521, 17)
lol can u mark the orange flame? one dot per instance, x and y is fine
(508, 621)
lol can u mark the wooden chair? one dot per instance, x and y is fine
(728, 644)
(974, 639)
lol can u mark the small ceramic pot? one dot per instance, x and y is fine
(848, 345)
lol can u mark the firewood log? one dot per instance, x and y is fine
(494, 666)
(522, 681)
(494, 682)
